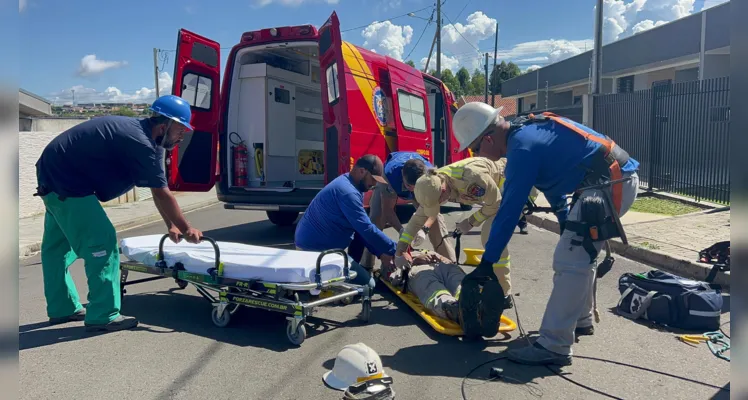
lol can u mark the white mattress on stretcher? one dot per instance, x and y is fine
(240, 261)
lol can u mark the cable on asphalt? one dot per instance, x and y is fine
(556, 372)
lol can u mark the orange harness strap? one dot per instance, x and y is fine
(615, 169)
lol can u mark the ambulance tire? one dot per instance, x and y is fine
(283, 218)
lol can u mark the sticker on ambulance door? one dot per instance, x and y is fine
(378, 105)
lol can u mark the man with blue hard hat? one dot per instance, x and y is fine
(94, 162)
(559, 157)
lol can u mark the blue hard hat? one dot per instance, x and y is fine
(175, 108)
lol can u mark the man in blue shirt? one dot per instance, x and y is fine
(337, 214)
(94, 162)
(558, 157)
(402, 169)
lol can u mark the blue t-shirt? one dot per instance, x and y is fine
(334, 215)
(105, 156)
(393, 170)
(550, 157)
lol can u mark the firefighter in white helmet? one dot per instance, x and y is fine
(559, 157)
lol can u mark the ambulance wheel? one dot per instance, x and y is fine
(283, 218)
(297, 337)
(222, 320)
(182, 284)
(366, 310)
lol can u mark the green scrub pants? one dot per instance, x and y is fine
(79, 228)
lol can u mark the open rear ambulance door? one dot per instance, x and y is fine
(191, 166)
(336, 120)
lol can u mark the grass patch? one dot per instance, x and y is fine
(654, 205)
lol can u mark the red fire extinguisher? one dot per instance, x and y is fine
(240, 155)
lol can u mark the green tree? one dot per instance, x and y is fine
(478, 83)
(502, 72)
(124, 112)
(411, 63)
(452, 82)
(463, 77)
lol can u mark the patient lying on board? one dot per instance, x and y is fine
(434, 279)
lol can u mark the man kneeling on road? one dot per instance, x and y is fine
(336, 218)
(402, 170)
(94, 162)
(433, 278)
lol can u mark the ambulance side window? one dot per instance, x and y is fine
(333, 89)
(412, 113)
(196, 90)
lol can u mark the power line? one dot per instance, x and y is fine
(431, 18)
(455, 28)
(463, 9)
(388, 19)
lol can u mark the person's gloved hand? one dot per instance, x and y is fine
(464, 226)
(419, 239)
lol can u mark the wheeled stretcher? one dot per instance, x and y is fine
(253, 276)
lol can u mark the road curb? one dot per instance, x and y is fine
(666, 262)
(32, 249)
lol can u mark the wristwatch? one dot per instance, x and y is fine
(425, 230)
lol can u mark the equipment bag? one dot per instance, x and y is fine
(670, 300)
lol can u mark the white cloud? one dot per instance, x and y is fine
(91, 66)
(112, 94)
(21, 5)
(460, 39)
(447, 62)
(645, 25)
(622, 18)
(532, 68)
(387, 38)
(550, 50)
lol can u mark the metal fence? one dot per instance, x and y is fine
(678, 132)
(573, 113)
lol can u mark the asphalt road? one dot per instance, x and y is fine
(177, 352)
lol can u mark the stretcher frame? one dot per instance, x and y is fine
(255, 293)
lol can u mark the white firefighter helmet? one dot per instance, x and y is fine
(354, 363)
(471, 120)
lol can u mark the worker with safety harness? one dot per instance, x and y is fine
(559, 157)
(94, 162)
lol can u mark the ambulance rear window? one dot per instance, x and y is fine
(412, 112)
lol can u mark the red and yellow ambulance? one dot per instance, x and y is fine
(297, 106)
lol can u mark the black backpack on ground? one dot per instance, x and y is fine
(670, 300)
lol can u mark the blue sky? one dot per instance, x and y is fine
(104, 49)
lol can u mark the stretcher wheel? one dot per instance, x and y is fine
(222, 320)
(366, 310)
(182, 284)
(347, 300)
(297, 337)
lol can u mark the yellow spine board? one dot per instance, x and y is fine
(441, 325)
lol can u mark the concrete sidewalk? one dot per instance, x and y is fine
(669, 243)
(123, 216)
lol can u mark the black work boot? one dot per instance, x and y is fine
(508, 303)
(584, 330)
(79, 315)
(452, 310)
(121, 323)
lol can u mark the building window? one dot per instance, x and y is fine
(412, 112)
(333, 91)
(196, 90)
(625, 84)
(577, 100)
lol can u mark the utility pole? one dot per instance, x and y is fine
(438, 39)
(495, 54)
(597, 52)
(431, 51)
(155, 69)
(486, 96)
